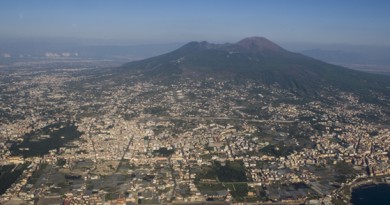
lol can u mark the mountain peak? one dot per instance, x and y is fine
(196, 46)
(256, 44)
(200, 45)
(258, 59)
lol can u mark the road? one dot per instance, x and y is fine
(210, 118)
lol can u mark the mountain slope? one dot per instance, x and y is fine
(262, 60)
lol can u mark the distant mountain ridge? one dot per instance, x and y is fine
(259, 59)
(259, 44)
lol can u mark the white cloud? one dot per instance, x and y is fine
(6, 55)
(65, 54)
(51, 55)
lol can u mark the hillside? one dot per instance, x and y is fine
(258, 59)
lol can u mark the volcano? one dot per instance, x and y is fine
(259, 59)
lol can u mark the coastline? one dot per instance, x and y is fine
(345, 192)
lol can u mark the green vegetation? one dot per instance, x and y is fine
(206, 173)
(232, 176)
(146, 138)
(344, 171)
(238, 190)
(61, 162)
(204, 187)
(59, 134)
(130, 116)
(9, 174)
(233, 171)
(155, 110)
(111, 196)
(163, 152)
(276, 151)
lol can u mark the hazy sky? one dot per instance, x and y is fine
(146, 21)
